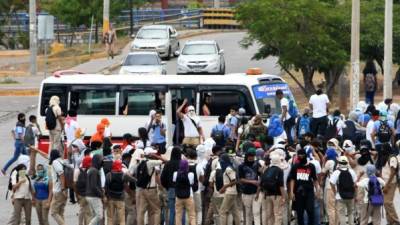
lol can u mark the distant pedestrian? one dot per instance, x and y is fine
(220, 132)
(370, 81)
(80, 177)
(71, 126)
(109, 39)
(94, 191)
(319, 104)
(158, 130)
(287, 119)
(55, 124)
(18, 134)
(193, 132)
(43, 194)
(232, 121)
(60, 194)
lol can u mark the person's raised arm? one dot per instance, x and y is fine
(179, 110)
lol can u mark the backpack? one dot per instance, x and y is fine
(369, 82)
(219, 179)
(331, 130)
(345, 185)
(68, 176)
(143, 177)
(192, 169)
(304, 126)
(270, 179)
(10, 186)
(80, 185)
(219, 136)
(293, 111)
(29, 137)
(107, 166)
(375, 196)
(349, 132)
(207, 173)
(384, 132)
(182, 186)
(116, 184)
(51, 120)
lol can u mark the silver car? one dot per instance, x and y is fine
(143, 63)
(159, 38)
(201, 57)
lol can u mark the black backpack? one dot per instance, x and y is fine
(219, 136)
(192, 169)
(51, 120)
(331, 130)
(107, 166)
(270, 179)
(116, 185)
(143, 176)
(207, 173)
(182, 186)
(80, 185)
(219, 179)
(384, 132)
(29, 137)
(345, 185)
(349, 132)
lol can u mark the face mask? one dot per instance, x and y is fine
(192, 114)
(40, 173)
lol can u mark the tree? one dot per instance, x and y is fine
(308, 36)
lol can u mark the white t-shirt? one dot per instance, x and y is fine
(328, 169)
(23, 192)
(319, 103)
(190, 129)
(335, 179)
(70, 131)
(339, 127)
(57, 169)
(364, 183)
(191, 180)
(285, 102)
(370, 128)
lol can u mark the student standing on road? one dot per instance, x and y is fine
(193, 132)
(233, 124)
(197, 168)
(329, 198)
(302, 182)
(43, 194)
(248, 177)
(383, 133)
(184, 181)
(319, 104)
(55, 124)
(18, 134)
(158, 131)
(109, 38)
(60, 195)
(370, 81)
(21, 196)
(220, 132)
(94, 190)
(343, 182)
(71, 125)
(287, 120)
(80, 176)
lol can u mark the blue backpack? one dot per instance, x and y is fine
(275, 127)
(375, 196)
(304, 126)
(293, 111)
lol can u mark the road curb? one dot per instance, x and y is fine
(11, 115)
(20, 92)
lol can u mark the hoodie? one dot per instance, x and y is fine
(93, 182)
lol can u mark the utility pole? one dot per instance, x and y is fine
(131, 16)
(106, 16)
(32, 37)
(387, 78)
(355, 55)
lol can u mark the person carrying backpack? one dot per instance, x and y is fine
(197, 169)
(20, 184)
(289, 114)
(327, 171)
(60, 194)
(80, 177)
(229, 204)
(370, 81)
(94, 190)
(55, 124)
(383, 132)
(343, 186)
(184, 181)
(303, 124)
(371, 204)
(248, 178)
(220, 132)
(272, 187)
(43, 194)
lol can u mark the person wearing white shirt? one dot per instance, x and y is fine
(319, 104)
(70, 127)
(198, 170)
(287, 120)
(344, 206)
(193, 131)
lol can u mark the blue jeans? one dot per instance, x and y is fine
(171, 205)
(317, 213)
(369, 97)
(19, 149)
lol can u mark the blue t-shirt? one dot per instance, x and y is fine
(157, 137)
(41, 189)
(398, 127)
(19, 132)
(376, 128)
(221, 127)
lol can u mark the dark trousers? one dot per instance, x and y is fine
(304, 203)
(369, 97)
(318, 126)
(288, 126)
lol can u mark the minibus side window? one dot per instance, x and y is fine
(219, 102)
(51, 90)
(93, 101)
(135, 102)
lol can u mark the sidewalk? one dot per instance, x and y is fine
(29, 85)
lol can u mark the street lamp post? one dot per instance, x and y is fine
(106, 16)
(387, 80)
(131, 16)
(355, 55)
(32, 37)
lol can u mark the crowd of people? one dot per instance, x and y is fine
(314, 167)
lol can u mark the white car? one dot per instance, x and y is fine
(159, 38)
(143, 63)
(201, 57)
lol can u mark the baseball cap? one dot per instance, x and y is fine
(343, 160)
(251, 152)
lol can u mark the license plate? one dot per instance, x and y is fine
(197, 70)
